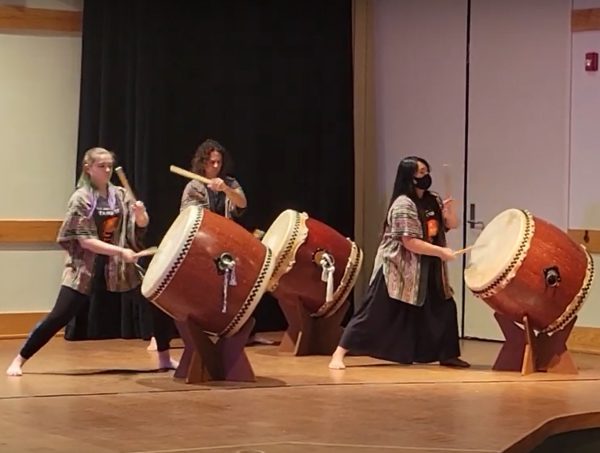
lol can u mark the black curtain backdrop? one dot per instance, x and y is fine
(271, 80)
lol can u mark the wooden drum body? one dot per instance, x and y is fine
(300, 245)
(200, 252)
(522, 266)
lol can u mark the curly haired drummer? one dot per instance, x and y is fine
(223, 195)
(409, 315)
(100, 233)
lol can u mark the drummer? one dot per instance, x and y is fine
(100, 233)
(223, 195)
(409, 315)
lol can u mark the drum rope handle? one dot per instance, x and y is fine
(328, 267)
(226, 264)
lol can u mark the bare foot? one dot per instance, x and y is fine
(152, 345)
(165, 362)
(170, 365)
(337, 363)
(256, 339)
(15, 368)
(337, 359)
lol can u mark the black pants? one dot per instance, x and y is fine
(388, 329)
(68, 303)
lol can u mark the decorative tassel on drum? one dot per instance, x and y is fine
(327, 264)
(228, 281)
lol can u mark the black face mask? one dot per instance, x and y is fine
(424, 182)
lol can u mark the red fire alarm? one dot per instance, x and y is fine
(591, 61)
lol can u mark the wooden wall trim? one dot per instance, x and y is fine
(14, 231)
(585, 339)
(585, 19)
(589, 238)
(23, 19)
(18, 325)
(46, 230)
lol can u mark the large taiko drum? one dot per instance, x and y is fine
(522, 265)
(210, 270)
(313, 262)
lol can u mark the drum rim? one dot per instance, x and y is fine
(195, 216)
(507, 271)
(577, 302)
(291, 223)
(347, 282)
(284, 256)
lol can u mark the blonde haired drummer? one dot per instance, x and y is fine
(101, 233)
(408, 314)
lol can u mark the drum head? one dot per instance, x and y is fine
(169, 250)
(495, 248)
(280, 232)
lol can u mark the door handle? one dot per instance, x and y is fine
(474, 224)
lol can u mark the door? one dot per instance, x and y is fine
(518, 122)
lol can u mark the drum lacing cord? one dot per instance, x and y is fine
(328, 268)
(140, 269)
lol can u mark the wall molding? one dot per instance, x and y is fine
(19, 324)
(585, 19)
(585, 339)
(21, 19)
(15, 231)
(589, 238)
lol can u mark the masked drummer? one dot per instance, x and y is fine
(101, 232)
(409, 315)
(223, 195)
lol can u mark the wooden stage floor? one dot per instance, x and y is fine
(105, 396)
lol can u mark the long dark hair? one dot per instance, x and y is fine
(202, 155)
(404, 183)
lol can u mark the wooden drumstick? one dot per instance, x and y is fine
(121, 174)
(465, 250)
(147, 252)
(189, 174)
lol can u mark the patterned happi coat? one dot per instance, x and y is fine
(401, 267)
(79, 223)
